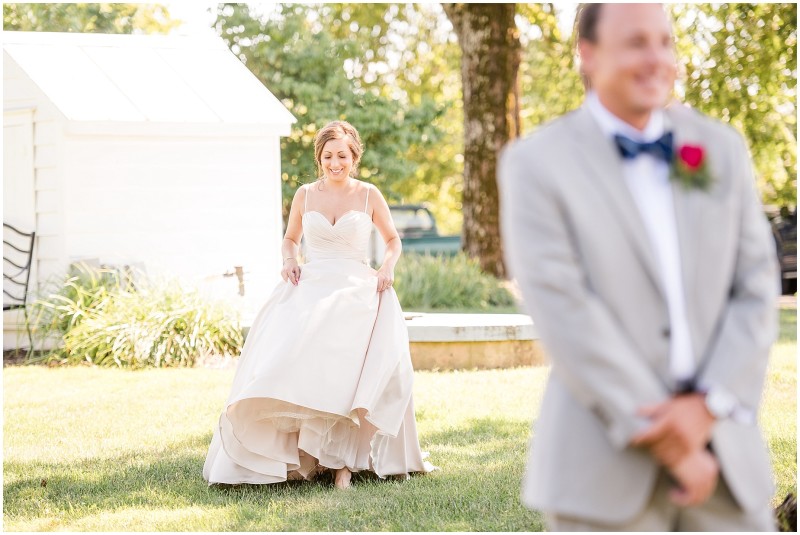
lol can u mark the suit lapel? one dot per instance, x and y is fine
(600, 159)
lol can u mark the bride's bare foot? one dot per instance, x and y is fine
(343, 478)
(294, 475)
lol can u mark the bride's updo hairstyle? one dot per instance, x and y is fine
(338, 130)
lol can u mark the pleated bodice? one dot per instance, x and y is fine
(348, 238)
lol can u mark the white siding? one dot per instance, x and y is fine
(197, 207)
(19, 194)
(19, 91)
(19, 210)
(50, 256)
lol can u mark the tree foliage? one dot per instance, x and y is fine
(410, 52)
(323, 63)
(549, 81)
(88, 18)
(740, 63)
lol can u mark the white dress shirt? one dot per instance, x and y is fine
(647, 178)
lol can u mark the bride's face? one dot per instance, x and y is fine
(337, 160)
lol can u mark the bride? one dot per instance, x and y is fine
(324, 379)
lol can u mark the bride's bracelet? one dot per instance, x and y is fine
(289, 258)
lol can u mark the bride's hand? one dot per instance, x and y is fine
(291, 271)
(385, 279)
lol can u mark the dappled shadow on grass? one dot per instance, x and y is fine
(483, 458)
(134, 477)
(477, 488)
(151, 478)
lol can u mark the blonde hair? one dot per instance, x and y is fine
(338, 130)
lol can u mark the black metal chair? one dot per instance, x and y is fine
(17, 260)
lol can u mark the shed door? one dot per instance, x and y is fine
(19, 208)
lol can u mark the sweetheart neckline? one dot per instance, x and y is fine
(337, 221)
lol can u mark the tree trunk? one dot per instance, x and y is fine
(490, 57)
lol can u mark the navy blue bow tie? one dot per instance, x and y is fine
(660, 148)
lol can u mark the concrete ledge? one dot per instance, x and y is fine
(481, 355)
(423, 327)
(466, 341)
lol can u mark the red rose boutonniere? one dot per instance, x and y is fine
(689, 167)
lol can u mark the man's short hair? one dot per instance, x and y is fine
(586, 28)
(588, 16)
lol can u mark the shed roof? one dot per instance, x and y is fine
(144, 78)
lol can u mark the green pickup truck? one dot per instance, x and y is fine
(417, 228)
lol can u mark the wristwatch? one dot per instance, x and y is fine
(720, 403)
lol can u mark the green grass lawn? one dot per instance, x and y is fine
(105, 449)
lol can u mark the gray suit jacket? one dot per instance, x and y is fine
(576, 244)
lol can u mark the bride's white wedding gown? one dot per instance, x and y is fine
(325, 374)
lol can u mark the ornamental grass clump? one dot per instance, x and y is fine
(100, 317)
(441, 282)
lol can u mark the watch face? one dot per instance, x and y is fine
(719, 404)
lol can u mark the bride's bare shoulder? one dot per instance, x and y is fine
(301, 192)
(303, 188)
(371, 187)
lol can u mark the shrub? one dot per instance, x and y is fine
(105, 321)
(435, 282)
(84, 288)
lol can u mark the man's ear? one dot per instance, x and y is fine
(586, 52)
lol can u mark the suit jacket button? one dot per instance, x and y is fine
(666, 332)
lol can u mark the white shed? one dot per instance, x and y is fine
(161, 152)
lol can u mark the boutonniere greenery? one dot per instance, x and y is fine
(690, 167)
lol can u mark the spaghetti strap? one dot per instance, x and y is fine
(366, 202)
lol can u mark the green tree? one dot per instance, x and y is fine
(428, 65)
(88, 18)
(319, 74)
(550, 85)
(506, 101)
(740, 66)
(411, 53)
(490, 58)
(738, 62)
